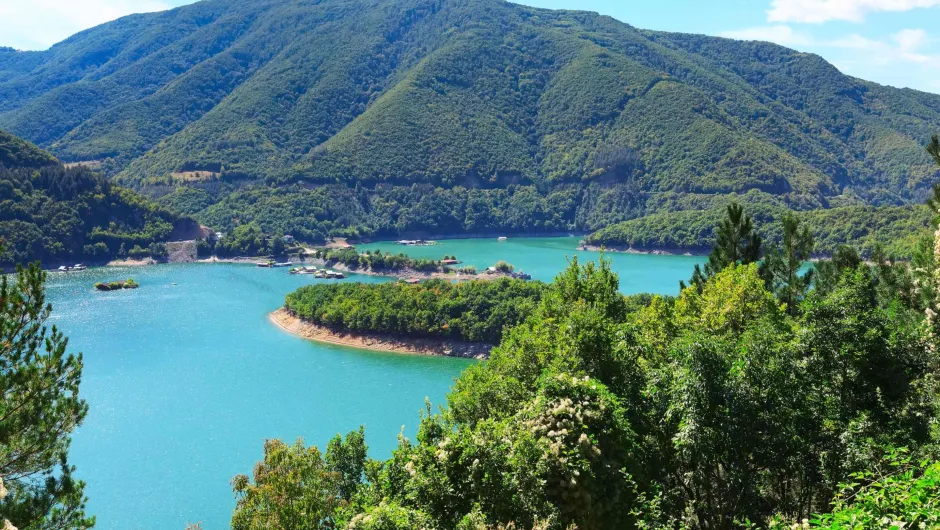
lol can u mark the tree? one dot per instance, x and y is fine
(784, 263)
(278, 247)
(347, 458)
(39, 408)
(829, 272)
(934, 148)
(293, 489)
(933, 201)
(735, 242)
(138, 252)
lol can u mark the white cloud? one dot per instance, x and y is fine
(905, 46)
(819, 11)
(38, 24)
(779, 34)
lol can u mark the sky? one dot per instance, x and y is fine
(893, 42)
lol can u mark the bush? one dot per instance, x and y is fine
(502, 266)
(138, 253)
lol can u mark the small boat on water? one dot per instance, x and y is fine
(265, 264)
(79, 267)
(282, 265)
(63, 268)
(503, 238)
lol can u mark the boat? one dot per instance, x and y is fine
(282, 265)
(63, 268)
(265, 264)
(79, 267)
(503, 238)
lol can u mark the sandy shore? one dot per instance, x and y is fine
(377, 341)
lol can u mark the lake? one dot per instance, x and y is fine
(545, 257)
(185, 377)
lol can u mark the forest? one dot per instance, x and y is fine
(441, 117)
(895, 229)
(471, 311)
(52, 213)
(766, 395)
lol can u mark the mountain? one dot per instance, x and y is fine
(57, 214)
(449, 116)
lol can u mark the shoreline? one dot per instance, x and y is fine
(378, 341)
(406, 274)
(477, 235)
(645, 252)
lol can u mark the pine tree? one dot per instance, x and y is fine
(784, 262)
(39, 409)
(736, 242)
(934, 148)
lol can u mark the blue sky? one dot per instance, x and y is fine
(894, 42)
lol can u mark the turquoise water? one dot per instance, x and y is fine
(186, 381)
(544, 258)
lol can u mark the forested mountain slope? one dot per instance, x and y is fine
(457, 116)
(53, 213)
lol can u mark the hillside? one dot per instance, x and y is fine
(16, 152)
(57, 214)
(896, 229)
(444, 116)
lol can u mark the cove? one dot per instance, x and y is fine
(185, 377)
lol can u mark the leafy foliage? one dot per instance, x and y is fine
(54, 213)
(906, 497)
(896, 229)
(16, 152)
(784, 264)
(440, 116)
(721, 409)
(736, 243)
(474, 311)
(39, 408)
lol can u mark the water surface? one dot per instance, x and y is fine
(185, 377)
(186, 381)
(545, 257)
